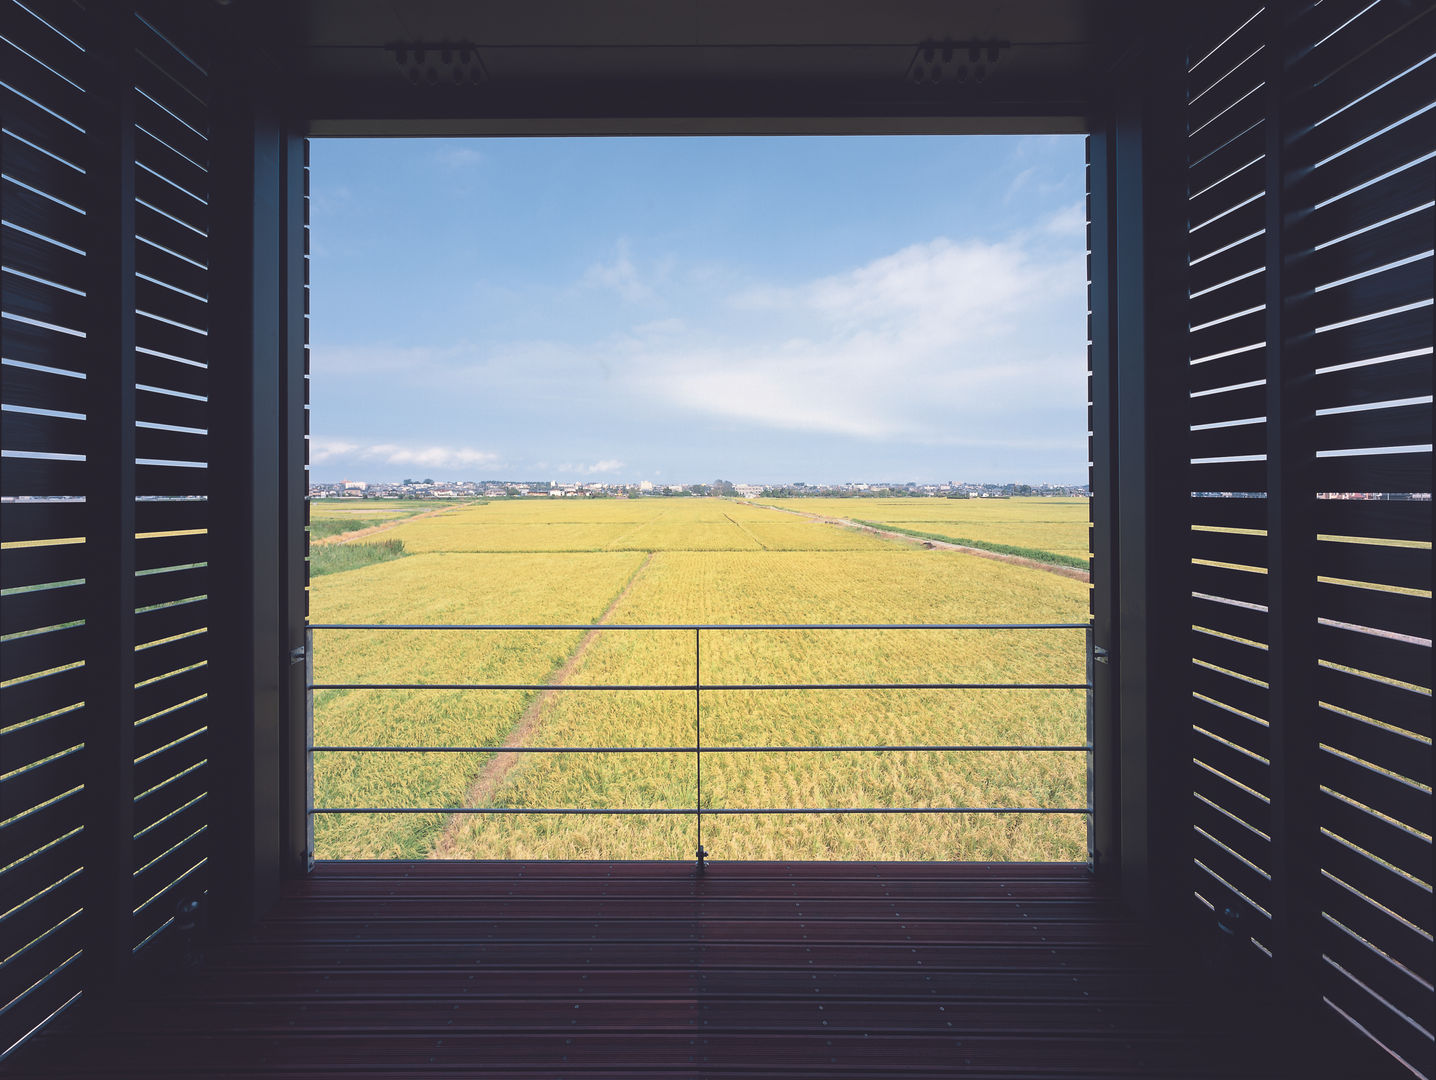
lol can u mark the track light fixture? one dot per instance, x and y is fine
(449, 63)
(948, 61)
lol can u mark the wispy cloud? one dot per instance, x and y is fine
(323, 451)
(597, 468)
(621, 275)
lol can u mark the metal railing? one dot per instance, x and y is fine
(698, 688)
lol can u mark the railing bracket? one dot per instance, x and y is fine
(702, 865)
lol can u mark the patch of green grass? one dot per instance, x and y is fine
(336, 558)
(322, 528)
(1035, 554)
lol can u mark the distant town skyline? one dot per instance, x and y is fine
(663, 309)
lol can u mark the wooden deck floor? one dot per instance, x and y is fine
(637, 969)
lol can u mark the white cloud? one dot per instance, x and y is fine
(324, 451)
(621, 276)
(941, 342)
(607, 465)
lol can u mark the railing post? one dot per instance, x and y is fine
(308, 748)
(1090, 649)
(698, 738)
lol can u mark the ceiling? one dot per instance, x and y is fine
(430, 67)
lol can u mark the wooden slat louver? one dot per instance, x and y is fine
(103, 813)
(1312, 175)
(1229, 711)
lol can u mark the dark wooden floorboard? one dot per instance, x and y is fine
(640, 969)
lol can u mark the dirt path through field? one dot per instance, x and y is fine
(486, 784)
(344, 538)
(1017, 560)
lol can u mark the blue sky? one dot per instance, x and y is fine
(757, 309)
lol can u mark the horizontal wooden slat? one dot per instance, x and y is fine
(22, 746)
(1227, 476)
(38, 433)
(171, 374)
(43, 476)
(1234, 333)
(42, 520)
(1236, 120)
(1390, 890)
(1216, 50)
(44, 868)
(42, 389)
(162, 337)
(1230, 655)
(1228, 762)
(181, 720)
(1229, 513)
(173, 166)
(32, 920)
(1397, 286)
(169, 304)
(1384, 840)
(1358, 47)
(151, 806)
(1226, 265)
(171, 480)
(1399, 425)
(171, 269)
(1402, 708)
(171, 585)
(160, 874)
(1234, 835)
(24, 656)
(1237, 296)
(1404, 238)
(159, 838)
(157, 551)
(174, 201)
(154, 407)
(1228, 547)
(1391, 381)
(40, 565)
(1238, 730)
(165, 694)
(1233, 619)
(1376, 926)
(1398, 473)
(1403, 567)
(36, 81)
(171, 235)
(1232, 870)
(159, 444)
(40, 258)
(40, 783)
(1236, 187)
(169, 515)
(1389, 150)
(1391, 658)
(161, 659)
(1383, 519)
(1255, 811)
(43, 607)
(45, 216)
(1362, 209)
(1406, 756)
(166, 128)
(1247, 366)
(1248, 403)
(166, 622)
(1397, 987)
(37, 697)
(1242, 585)
(1248, 146)
(1229, 440)
(1229, 690)
(47, 303)
(1212, 236)
(168, 762)
(1384, 794)
(1399, 613)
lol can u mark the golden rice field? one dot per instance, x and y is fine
(695, 561)
(1057, 525)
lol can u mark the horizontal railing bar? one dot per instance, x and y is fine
(659, 749)
(706, 811)
(698, 626)
(700, 686)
